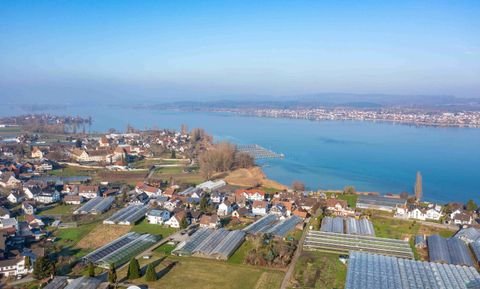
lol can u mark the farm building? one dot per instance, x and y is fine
(367, 270)
(128, 215)
(448, 251)
(121, 250)
(343, 243)
(273, 224)
(95, 206)
(211, 243)
(379, 203)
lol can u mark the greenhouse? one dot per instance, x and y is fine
(127, 216)
(449, 251)
(272, 224)
(97, 205)
(367, 270)
(347, 226)
(121, 250)
(210, 243)
(343, 243)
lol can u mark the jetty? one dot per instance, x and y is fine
(259, 152)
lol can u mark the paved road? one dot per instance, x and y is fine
(297, 254)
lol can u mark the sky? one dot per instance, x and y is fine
(197, 50)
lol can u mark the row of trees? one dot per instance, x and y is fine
(134, 271)
(223, 157)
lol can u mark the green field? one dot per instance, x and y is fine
(319, 270)
(145, 227)
(58, 210)
(71, 171)
(239, 256)
(165, 249)
(71, 236)
(351, 199)
(190, 272)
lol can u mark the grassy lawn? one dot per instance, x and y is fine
(351, 199)
(394, 228)
(58, 210)
(72, 236)
(239, 256)
(145, 227)
(165, 249)
(71, 171)
(189, 272)
(168, 170)
(319, 270)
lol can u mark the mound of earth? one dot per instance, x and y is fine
(252, 177)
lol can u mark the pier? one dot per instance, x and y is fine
(259, 152)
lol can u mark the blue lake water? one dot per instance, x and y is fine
(381, 157)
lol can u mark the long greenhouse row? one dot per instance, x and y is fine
(121, 250)
(367, 270)
(449, 251)
(348, 226)
(97, 205)
(343, 243)
(272, 224)
(127, 216)
(210, 243)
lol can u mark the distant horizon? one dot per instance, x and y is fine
(207, 50)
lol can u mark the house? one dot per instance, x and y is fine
(149, 190)
(260, 208)
(103, 142)
(172, 204)
(278, 209)
(241, 213)
(8, 180)
(307, 204)
(8, 223)
(158, 217)
(217, 197)
(301, 213)
(176, 220)
(14, 267)
(31, 192)
(140, 199)
(225, 208)
(460, 217)
(80, 155)
(337, 207)
(195, 216)
(15, 197)
(34, 221)
(48, 197)
(36, 153)
(87, 191)
(212, 222)
(73, 199)
(28, 208)
(286, 204)
(251, 194)
(432, 212)
(4, 213)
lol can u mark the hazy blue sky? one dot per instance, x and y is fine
(196, 49)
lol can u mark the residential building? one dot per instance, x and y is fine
(225, 208)
(260, 208)
(158, 217)
(251, 194)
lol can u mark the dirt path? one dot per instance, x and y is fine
(291, 267)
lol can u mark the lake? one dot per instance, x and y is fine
(381, 157)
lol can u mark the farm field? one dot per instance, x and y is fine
(101, 235)
(58, 210)
(318, 270)
(183, 272)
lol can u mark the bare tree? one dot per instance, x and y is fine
(298, 186)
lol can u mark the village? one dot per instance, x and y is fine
(147, 208)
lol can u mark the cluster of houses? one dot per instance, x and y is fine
(171, 207)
